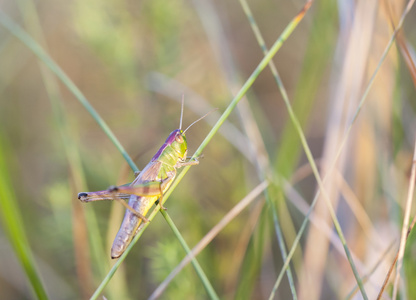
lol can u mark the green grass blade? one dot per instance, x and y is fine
(110, 274)
(89, 219)
(120, 260)
(289, 150)
(276, 46)
(260, 67)
(17, 31)
(218, 41)
(342, 144)
(372, 270)
(317, 56)
(13, 224)
(236, 210)
(10, 25)
(253, 258)
(305, 145)
(207, 284)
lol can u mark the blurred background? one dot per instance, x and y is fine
(133, 61)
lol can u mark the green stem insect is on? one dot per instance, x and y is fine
(149, 186)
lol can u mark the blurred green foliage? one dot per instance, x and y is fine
(110, 49)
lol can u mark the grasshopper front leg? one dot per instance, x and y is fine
(185, 163)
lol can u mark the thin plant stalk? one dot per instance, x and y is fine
(342, 145)
(262, 44)
(39, 51)
(79, 221)
(201, 274)
(238, 208)
(80, 216)
(372, 270)
(170, 87)
(14, 227)
(405, 226)
(256, 145)
(207, 285)
(276, 46)
(26, 39)
(260, 67)
(307, 151)
(386, 279)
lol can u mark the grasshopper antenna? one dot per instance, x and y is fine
(183, 101)
(199, 119)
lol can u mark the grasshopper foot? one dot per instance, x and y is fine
(140, 216)
(144, 219)
(161, 206)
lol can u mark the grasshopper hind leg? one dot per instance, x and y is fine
(139, 215)
(114, 190)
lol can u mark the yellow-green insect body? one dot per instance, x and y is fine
(150, 185)
(160, 170)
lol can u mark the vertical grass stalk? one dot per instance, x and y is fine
(31, 44)
(342, 144)
(13, 224)
(18, 32)
(207, 285)
(307, 151)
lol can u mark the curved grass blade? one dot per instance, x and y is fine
(260, 67)
(13, 225)
(291, 128)
(110, 274)
(372, 270)
(276, 46)
(320, 182)
(238, 208)
(38, 50)
(10, 25)
(257, 151)
(405, 228)
(343, 142)
(82, 218)
(307, 151)
(84, 273)
(208, 287)
(17, 31)
(169, 87)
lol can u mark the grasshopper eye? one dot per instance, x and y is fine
(179, 138)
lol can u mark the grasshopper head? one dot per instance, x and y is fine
(177, 140)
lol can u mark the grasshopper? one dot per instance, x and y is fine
(149, 186)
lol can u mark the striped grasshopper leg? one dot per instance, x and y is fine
(141, 198)
(150, 184)
(151, 188)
